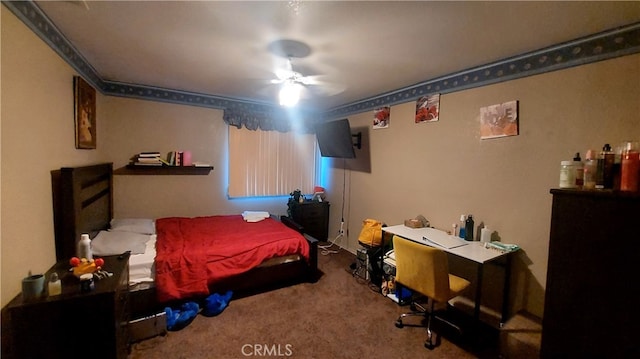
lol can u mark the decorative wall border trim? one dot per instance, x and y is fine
(609, 44)
(621, 41)
(39, 23)
(151, 93)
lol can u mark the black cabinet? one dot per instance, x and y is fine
(313, 217)
(73, 324)
(592, 274)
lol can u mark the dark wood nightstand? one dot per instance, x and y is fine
(73, 324)
(313, 217)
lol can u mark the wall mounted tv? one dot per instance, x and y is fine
(335, 139)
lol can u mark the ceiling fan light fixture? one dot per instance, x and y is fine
(289, 94)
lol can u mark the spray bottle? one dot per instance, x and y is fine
(461, 234)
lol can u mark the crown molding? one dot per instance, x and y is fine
(621, 41)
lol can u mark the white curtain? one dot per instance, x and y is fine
(270, 163)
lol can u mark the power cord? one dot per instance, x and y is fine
(326, 250)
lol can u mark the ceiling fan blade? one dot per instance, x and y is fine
(284, 74)
(311, 80)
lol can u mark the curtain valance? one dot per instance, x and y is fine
(269, 120)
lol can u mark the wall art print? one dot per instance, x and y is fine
(428, 109)
(381, 117)
(84, 113)
(499, 120)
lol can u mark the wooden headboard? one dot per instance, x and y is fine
(82, 203)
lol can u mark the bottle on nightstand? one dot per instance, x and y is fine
(55, 285)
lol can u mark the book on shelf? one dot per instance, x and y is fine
(201, 164)
(149, 160)
(148, 154)
(174, 158)
(146, 159)
(146, 163)
(164, 162)
(178, 158)
(171, 158)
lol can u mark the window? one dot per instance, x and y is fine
(270, 163)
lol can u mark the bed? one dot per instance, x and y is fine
(83, 203)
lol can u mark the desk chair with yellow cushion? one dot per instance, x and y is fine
(425, 270)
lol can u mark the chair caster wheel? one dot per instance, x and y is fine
(399, 324)
(429, 346)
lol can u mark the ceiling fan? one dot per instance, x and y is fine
(293, 84)
(288, 74)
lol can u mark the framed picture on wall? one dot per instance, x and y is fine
(499, 120)
(428, 109)
(381, 117)
(84, 113)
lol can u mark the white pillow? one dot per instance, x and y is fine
(136, 225)
(108, 243)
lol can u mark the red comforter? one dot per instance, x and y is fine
(192, 253)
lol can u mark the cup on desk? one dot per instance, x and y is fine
(32, 287)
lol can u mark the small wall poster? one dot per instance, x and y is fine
(381, 117)
(499, 120)
(428, 109)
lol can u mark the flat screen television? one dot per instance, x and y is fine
(334, 139)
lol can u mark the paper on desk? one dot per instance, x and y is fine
(443, 239)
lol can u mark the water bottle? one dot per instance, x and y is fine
(468, 228)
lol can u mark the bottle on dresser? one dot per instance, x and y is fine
(630, 167)
(589, 170)
(606, 159)
(579, 168)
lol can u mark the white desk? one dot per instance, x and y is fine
(473, 251)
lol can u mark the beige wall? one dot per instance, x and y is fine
(439, 170)
(37, 137)
(442, 170)
(135, 126)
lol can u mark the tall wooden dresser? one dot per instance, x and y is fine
(592, 276)
(74, 324)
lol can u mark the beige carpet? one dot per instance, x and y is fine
(337, 317)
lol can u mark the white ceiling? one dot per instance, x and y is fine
(360, 48)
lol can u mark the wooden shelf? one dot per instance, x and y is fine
(162, 170)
